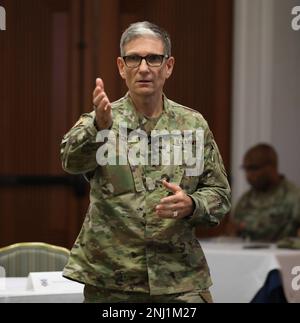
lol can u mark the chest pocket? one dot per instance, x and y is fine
(121, 179)
(116, 180)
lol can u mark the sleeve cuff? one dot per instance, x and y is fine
(96, 126)
(199, 211)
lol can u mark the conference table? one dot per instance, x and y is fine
(240, 270)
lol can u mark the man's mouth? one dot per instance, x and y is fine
(143, 81)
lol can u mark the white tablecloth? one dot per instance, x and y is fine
(16, 292)
(239, 273)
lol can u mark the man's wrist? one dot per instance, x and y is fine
(193, 207)
(98, 128)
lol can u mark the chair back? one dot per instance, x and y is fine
(20, 259)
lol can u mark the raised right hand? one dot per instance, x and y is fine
(102, 106)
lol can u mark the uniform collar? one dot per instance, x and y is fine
(134, 120)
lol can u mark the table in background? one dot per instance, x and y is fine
(16, 292)
(239, 273)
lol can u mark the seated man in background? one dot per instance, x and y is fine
(270, 210)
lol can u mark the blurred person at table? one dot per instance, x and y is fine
(270, 209)
(137, 243)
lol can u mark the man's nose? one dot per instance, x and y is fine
(144, 66)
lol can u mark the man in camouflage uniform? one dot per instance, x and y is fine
(270, 210)
(137, 243)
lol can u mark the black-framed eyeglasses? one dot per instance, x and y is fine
(152, 60)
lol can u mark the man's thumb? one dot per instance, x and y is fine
(99, 82)
(172, 187)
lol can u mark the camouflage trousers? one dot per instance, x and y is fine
(93, 294)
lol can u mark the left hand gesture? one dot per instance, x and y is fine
(176, 206)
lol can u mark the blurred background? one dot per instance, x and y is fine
(237, 62)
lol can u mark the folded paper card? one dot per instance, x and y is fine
(52, 281)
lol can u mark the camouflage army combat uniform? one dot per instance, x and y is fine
(123, 245)
(272, 215)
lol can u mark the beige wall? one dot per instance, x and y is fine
(266, 82)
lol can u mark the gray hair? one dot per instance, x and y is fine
(145, 28)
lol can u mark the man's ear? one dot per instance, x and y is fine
(169, 66)
(121, 67)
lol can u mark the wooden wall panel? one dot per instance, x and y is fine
(221, 69)
(39, 102)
